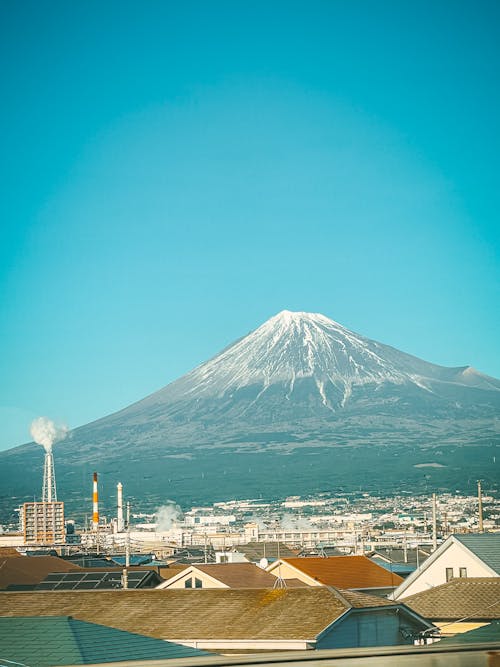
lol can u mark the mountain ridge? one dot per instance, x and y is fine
(299, 384)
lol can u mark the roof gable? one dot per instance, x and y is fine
(429, 562)
(239, 575)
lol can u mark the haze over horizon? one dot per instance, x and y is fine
(175, 176)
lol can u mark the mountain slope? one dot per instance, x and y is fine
(299, 383)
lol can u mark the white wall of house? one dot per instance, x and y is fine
(196, 578)
(285, 571)
(453, 557)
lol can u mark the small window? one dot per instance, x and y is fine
(449, 573)
(188, 583)
(198, 583)
(463, 572)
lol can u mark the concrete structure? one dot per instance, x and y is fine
(43, 523)
(120, 524)
(470, 555)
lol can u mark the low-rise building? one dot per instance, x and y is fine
(459, 605)
(357, 573)
(460, 556)
(245, 620)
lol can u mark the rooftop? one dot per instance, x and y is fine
(485, 545)
(48, 641)
(277, 614)
(474, 598)
(346, 572)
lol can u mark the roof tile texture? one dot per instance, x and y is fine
(298, 613)
(346, 572)
(477, 598)
(239, 575)
(31, 569)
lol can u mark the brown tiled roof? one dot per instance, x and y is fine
(477, 598)
(299, 613)
(239, 575)
(346, 572)
(7, 552)
(171, 571)
(31, 569)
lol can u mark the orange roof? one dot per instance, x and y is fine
(346, 572)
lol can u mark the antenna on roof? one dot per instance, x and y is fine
(280, 582)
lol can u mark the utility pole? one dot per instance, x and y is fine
(434, 523)
(480, 505)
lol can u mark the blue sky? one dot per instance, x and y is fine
(175, 173)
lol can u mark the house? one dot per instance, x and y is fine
(221, 575)
(93, 579)
(459, 605)
(28, 571)
(400, 561)
(350, 572)
(62, 640)
(235, 619)
(470, 555)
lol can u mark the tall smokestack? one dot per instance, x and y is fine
(480, 505)
(46, 433)
(95, 505)
(49, 492)
(119, 511)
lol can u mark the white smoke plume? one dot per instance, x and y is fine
(46, 433)
(167, 515)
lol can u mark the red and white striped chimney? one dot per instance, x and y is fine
(95, 505)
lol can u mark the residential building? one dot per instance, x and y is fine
(245, 620)
(459, 605)
(27, 571)
(223, 575)
(43, 523)
(350, 572)
(460, 556)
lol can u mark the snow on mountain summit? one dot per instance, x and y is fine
(307, 359)
(294, 346)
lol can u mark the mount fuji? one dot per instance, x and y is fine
(299, 405)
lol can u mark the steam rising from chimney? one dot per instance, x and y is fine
(45, 432)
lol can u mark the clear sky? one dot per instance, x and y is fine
(175, 173)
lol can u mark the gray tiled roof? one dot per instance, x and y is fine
(477, 598)
(484, 545)
(46, 641)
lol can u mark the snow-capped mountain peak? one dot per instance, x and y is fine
(293, 346)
